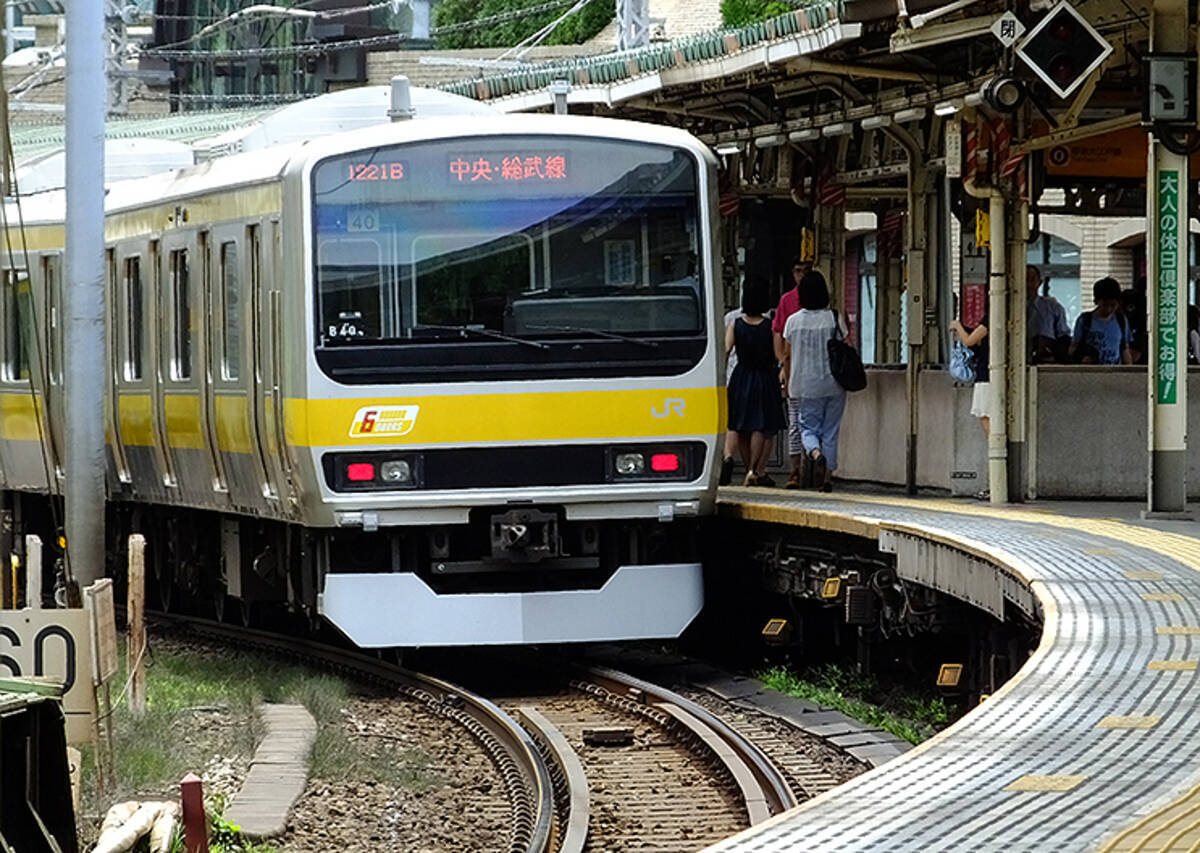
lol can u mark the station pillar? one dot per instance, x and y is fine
(1166, 273)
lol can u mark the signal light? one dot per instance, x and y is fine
(1063, 49)
(664, 462)
(360, 472)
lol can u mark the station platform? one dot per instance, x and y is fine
(1093, 745)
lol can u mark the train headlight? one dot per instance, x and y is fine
(629, 463)
(396, 471)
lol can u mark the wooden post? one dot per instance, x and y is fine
(195, 823)
(136, 648)
(33, 572)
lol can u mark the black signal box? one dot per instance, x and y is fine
(1063, 49)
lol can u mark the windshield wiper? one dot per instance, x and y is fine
(466, 331)
(602, 333)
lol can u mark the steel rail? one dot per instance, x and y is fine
(762, 785)
(527, 778)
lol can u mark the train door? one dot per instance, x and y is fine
(273, 346)
(116, 439)
(155, 334)
(51, 271)
(208, 333)
(259, 328)
(180, 405)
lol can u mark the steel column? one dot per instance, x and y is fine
(1166, 265)
(83, 296)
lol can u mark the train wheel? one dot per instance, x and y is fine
(219, 598)
(246, 611)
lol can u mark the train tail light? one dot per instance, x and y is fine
(360, 472)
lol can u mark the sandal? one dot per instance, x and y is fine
(750, 480)
(793, 482)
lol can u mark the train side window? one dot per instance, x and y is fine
(231, 327)
(181, 321)
(134, 336)
(16, 362)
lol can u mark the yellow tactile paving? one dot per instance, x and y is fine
(1176, 827)
(1143, 575)
(1173, 665)
(1130, 721)
(1052, 782)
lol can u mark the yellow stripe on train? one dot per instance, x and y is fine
(492, 418)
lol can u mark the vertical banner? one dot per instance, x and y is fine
(1166, 288)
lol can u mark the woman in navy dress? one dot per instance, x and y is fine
(755, 407)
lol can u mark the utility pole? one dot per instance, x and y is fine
(83, 295)
(1167, 206)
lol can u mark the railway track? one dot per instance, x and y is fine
(598, 760)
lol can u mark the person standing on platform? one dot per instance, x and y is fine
(755, 408)
(1101, 335)
(789, 304)
(1046, 327)
(731, 438)
(816, 402)
(976, 341)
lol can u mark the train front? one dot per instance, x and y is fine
(514, 393)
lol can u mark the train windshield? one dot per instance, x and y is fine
(484, 257)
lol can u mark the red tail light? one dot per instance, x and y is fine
(664, 462)
(358, 472)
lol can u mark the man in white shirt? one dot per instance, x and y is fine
(1046, 331)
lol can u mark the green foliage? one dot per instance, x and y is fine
(575, 29)
(225, 837)
(739, 13)
(911, 717)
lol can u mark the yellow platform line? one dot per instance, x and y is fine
(1182, 549)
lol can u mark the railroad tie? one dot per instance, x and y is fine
(277, 774)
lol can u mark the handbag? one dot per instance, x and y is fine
(962, 363)
(844, 361)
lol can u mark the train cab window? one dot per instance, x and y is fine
(134, 335)
(231, 325)
(16, 304)
(181, 316)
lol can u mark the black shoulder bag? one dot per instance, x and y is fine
(844, 361)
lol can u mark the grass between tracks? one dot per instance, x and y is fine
(200, 718)
(911, 717)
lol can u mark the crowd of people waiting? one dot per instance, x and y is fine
(778, 360)
(787, 360)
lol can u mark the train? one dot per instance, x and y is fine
(447, 379)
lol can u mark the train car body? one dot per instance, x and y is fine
(452, 380)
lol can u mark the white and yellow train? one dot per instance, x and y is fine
(453, 380)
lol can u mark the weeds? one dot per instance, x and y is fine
(913, 718)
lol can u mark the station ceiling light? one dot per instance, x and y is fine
(773, 140)
(724, 148)
(909, 115)
(873, 122)
(945, 108)
(841, 128)
(808, 134)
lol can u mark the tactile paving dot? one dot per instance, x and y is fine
(1051, 782)
(1173, 665)
(1177, 630)
(1161, 596)
(1144, 575)
(1131, 721)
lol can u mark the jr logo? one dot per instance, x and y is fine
(670, 406)
(384, 420)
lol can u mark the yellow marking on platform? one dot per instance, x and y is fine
(1173, 665)
(1102, 552)
(1161, 596)
(1144, 575)
(1177, 630)
(1051, 782)
(1131, 721)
